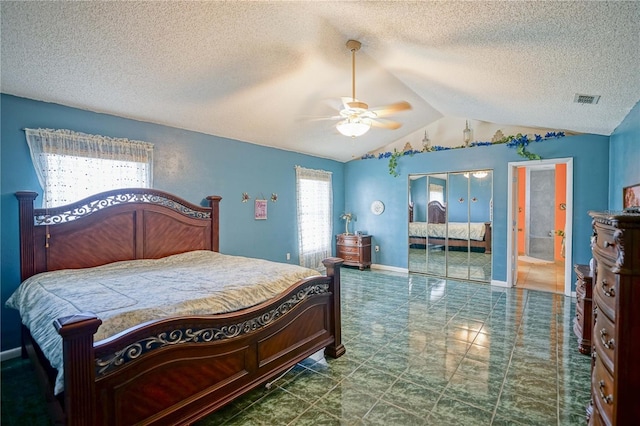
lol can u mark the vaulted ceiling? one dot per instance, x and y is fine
(262, 72)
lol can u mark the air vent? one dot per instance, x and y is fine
(586, 99)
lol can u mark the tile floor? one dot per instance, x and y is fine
(420, 351)
(457, 264)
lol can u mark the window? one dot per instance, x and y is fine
(314, 211)
(436, 193)
(71, 166)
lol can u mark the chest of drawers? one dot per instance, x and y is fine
(354, 249)
(583, 322)
(615, 377)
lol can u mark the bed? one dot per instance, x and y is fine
(436, 230)
(174, 369)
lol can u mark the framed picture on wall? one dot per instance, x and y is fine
(261, 210)
(631, 196)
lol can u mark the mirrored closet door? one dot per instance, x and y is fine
(450, 224)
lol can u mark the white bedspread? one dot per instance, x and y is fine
(124, 294)
(457, 230)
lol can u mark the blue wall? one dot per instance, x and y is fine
(624, 157)
(462, 190)
(189, 164)
(419, 198)
(369, 180)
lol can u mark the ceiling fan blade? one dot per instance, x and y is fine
(391, 109)
(345, 101)
(385, 124)
(333, 117)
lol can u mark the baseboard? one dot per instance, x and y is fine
(499, 283)
(10, 354)
(389, 268)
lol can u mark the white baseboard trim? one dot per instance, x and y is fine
(389, 268)
(10, 354)
(499, 283)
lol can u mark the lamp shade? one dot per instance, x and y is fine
(353, 127)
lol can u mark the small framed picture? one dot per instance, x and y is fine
(631, 196)
(261, 210)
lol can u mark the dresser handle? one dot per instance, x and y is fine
(607, 343)
(606, 398)
(611, 292)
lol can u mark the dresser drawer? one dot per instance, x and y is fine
(606, 290)
(580, 290)
(579, 315)
(577, 326)
(604, 341)
(579, 302)
(605, 244)
(602, 390)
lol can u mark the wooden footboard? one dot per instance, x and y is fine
(178, 370)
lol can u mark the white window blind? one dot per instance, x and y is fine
(314, 211)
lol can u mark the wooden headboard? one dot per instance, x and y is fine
(123, 224)
(437, 213)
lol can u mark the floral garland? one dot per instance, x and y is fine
(519, 141)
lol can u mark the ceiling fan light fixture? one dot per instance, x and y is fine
(353, 127)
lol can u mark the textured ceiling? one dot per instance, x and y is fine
(258, 71)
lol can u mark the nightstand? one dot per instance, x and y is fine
(354, 249)
(583, 322)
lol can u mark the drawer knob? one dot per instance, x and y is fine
(606, 398)
(609, 344)
(611, 292)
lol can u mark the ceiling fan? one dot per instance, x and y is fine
(356, 116)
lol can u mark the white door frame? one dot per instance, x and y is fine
(512, 244)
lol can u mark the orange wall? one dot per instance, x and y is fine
(522, 192)
(561, 214)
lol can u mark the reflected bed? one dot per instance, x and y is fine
(436, 230)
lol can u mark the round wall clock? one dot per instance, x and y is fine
(377, 207)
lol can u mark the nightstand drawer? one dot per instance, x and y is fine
(350, 257)
(348, 250)
(353, 240)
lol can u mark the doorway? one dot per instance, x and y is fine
(540, 220)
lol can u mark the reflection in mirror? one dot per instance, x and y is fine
(450, 224)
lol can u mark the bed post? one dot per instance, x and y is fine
(27, 229)
(214, 203)
(336, 349)
(79, 367)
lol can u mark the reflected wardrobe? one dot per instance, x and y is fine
(450, 218)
